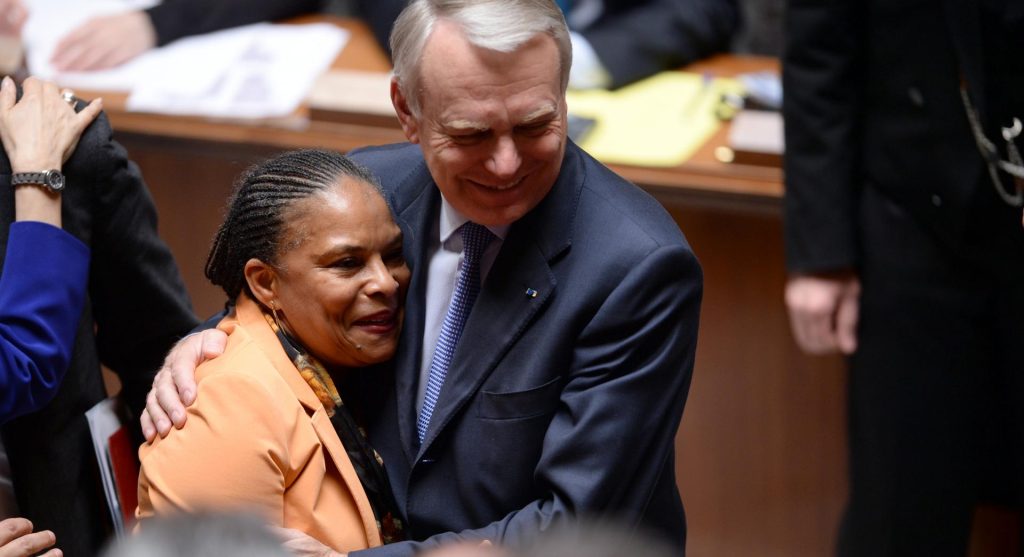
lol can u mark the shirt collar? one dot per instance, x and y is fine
(451, 220)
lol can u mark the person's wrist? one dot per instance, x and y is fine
(36, 164)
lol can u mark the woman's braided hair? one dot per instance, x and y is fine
(254, 223)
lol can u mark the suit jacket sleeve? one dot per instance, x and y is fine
(612, 437)
(42, 292)
(647, 37)
(174, 19)
(821, 105)
(140, 305)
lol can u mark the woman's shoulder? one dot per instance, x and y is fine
(245, 363)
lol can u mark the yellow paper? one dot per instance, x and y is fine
(660, 121)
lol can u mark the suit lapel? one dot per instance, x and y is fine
(518, 285)
(415, 202)
(249, 315)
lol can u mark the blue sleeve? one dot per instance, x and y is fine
(42, 293)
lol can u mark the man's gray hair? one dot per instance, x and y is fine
(501, 25)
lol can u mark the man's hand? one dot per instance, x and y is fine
(174, 386)
(12, 17)
(104, 42)
(823, 312)
(303, 545)
(18, 540)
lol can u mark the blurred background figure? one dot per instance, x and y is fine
(905, 252)
(135, 308)
(615, 42)
(111, 40)
(202, 534)
(42, 288)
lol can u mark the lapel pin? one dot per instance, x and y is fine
(531, 293)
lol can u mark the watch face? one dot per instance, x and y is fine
(54, 180)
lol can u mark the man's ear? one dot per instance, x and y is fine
(262, 280)
(405, 116)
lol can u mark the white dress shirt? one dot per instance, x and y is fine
(444, 256)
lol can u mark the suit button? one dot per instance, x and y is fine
(936, 200)
(916, 98)
(427, 461)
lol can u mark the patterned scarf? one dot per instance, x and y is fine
(368, 464)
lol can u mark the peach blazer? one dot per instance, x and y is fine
(258, 439)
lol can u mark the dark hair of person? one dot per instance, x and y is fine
(254, 222)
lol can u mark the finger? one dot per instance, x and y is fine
(169, 399)
(7, 94)
(161, 422)
(847, 316)
(813, 326)
(53, 553)
(13, 528)
(87, 115)
(29, 544)
(823, 329)
(801, 317)
(30, 87)
(210, 344)
(148, 429)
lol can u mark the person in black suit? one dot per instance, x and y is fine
(136, 308)
(42, 288)
(564, 393)
(906, 253)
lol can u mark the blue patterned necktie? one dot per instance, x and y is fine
(474, 241)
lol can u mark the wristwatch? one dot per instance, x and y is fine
(52, 180)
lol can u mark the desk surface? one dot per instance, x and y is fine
(702, 177)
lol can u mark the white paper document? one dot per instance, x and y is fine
(256, 71)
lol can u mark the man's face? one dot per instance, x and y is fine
(492, 125)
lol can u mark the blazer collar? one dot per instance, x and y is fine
(249, 316)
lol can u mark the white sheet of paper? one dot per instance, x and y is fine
(269, 76)
(256, 71)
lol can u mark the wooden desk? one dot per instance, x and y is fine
(762, 448)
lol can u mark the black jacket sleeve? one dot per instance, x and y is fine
(140, 305)
(821, 107)
(174, 19)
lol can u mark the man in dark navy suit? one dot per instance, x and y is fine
(558, 392)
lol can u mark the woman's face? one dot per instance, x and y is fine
(341, 279)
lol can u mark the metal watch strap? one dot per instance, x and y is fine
(34, 178)
(52, 180)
